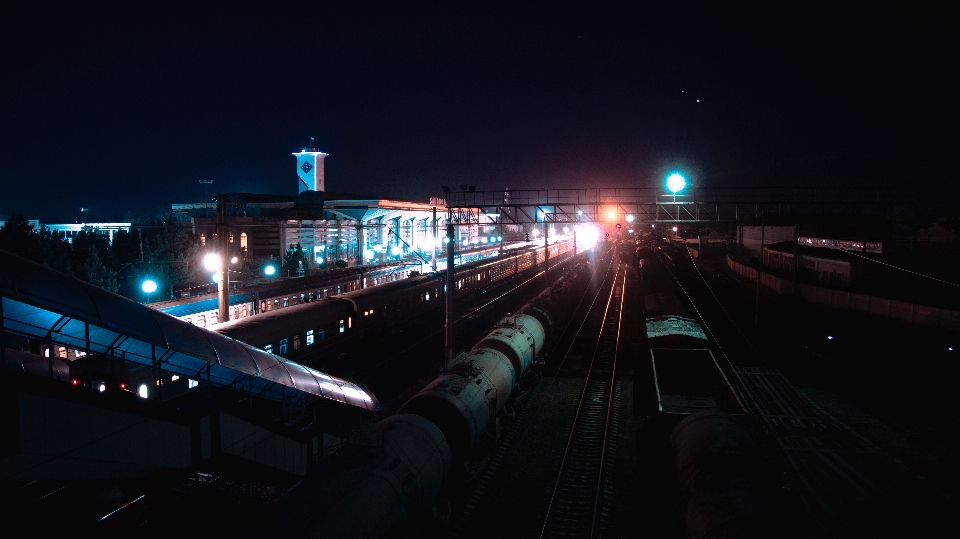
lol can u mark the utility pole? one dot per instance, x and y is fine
(451, 286)
(436, 236)
(546, 246)
(223, 245)
(756, 310)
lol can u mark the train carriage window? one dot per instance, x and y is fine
(342, 328)
(268, 348)
(283, 346)
(349, 322)
(309, 337)
(428, 296)
(286, 302)
(296, 342)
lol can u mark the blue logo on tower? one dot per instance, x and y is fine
(306, 167)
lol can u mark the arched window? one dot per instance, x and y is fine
(243, 240)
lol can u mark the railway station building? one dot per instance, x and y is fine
(332, 228)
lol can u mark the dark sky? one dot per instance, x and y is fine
(127, 108)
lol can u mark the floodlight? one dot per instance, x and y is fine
(676, 183)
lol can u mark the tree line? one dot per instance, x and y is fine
(160, 249)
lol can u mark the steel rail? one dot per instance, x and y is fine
(569, 499)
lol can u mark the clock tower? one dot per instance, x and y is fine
(310, 170)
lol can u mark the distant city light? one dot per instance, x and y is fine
(579, 212)
(149, 286)
(829, 337)
(674, 229)
(234, 260)
(676, 182)
(396, 250)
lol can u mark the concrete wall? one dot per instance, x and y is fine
(750, 237)
(246, 440)
(52, 436)
(63, 439)
(911, 313)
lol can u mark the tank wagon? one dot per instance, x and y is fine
(433, 430)
(310, 323)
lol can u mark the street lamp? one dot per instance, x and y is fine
(675, 183)
(270, 270)
(149, 286)
(211, 262)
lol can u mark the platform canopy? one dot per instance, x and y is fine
(43, 304)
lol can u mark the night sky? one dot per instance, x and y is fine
(125, 109)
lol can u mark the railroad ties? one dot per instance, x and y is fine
(583, 488)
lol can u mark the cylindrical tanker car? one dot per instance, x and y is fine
(436, 427)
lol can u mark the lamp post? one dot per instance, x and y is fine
(675, 183)
(149, 286)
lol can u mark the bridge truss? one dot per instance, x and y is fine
(651, 205)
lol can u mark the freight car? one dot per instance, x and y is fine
(313, 323)
(417, 448)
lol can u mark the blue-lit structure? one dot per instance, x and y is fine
(41, 304)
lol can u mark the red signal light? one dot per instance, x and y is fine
(74, 382)
(606, 234)
(619, 226)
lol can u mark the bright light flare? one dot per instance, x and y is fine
(611, 214)
(149, 286)
(269, 270)
(630, 218)
(234, 260)
(588, 237)
(212, 262)
(676, 183)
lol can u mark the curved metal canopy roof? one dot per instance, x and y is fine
(43, 304)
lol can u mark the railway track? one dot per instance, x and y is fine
(840, 483)
(580, 495)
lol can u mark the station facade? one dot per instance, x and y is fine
(332, 228)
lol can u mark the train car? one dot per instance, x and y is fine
(307, 322)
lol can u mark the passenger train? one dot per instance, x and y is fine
(317, 319)
(202, 311)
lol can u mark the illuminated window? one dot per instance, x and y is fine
(143, 391)
(321, 334)
(268, 348)
(203, 239)
(231, 238)
(309, 337)
(174, 378)
(192, 383)
(243, 240)
(341, 327)
(283, 346)
(349, 321)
